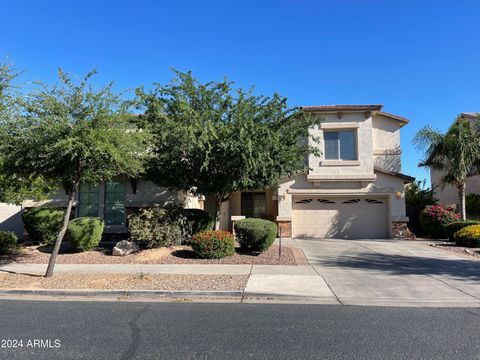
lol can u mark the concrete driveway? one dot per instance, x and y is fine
(392, 272)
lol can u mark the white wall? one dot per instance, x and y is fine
(11, 219)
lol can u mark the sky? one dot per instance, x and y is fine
(420, 59)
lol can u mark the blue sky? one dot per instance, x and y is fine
(418, 58)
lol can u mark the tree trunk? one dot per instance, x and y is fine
(218, 207)
(58, 242)
(463, 208)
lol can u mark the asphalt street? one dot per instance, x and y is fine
(157, 330)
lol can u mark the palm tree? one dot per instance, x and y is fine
(456, 153)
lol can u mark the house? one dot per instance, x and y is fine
(448, 194)
(354, 190)
(112, 201)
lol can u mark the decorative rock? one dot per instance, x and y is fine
(124, 248)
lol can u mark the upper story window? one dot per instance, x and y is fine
(340, 145)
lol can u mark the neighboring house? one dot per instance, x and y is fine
(448, 194)
(354, 190)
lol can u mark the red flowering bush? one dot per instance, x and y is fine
(213, 244)
(434, 217)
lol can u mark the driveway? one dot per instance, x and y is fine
(392, 272)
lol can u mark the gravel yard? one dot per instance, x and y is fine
(459, 250)
(95, 281)
(175, 255)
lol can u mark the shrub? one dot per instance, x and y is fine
(85, 233)
(43, 224)
(8, 242)
(452, 228)
(198, 220)
(213, 244)
(190, 221)
(472, 202)
(433, 217)
(469, 236)
(153, 227)
(255, 234)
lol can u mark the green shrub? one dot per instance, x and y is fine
(255, 234)
(433, 217)
(452, 228)
(43, 224)
(8, 242)
(198, 220)
(213, 244)
(190, 221)
(469, 236)
(85, 233)
(472, 202)
(154, 228)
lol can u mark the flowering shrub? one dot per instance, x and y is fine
(433, 217)
(213, 244)
(468, 236)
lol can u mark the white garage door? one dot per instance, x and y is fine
(350, 218)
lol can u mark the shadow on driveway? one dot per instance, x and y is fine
(408, 265)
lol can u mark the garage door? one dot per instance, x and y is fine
(350, 218)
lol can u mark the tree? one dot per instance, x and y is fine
(72, 133)
(212, 139)
(456, 153)
(15, 189)
(416, 194)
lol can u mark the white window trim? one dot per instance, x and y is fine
(340, 125)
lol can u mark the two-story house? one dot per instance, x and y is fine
(355, 189)
(448, 194)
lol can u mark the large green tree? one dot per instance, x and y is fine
(455, 153)
(71, 133)
(213, 139)
(14, 189)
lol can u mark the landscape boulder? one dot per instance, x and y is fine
(124, 248)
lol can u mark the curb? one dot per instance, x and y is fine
(163, 294)
(126, 293)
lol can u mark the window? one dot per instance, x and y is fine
(87, 200)
(253, 204)
(340, 145)
(114, 203)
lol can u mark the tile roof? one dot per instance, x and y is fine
(394, 117)
(327, 108)
(406, 178)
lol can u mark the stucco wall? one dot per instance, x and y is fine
(449, 194)
(386, 143)
(147, 194)
(363, 128)
(11, 219)
(384, 185)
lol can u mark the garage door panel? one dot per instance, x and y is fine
(341, 218)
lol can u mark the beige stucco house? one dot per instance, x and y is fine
(448, 194)
(354, 190)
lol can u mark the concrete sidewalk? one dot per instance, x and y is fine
(263, 281)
